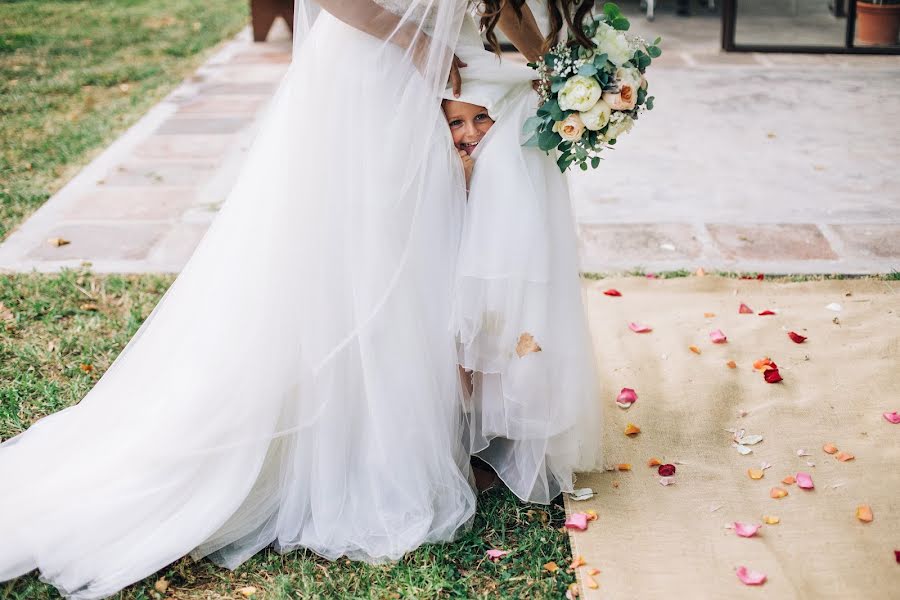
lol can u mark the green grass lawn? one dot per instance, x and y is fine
(74, 74)
(59, 333)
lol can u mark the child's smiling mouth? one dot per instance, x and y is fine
(468, 147)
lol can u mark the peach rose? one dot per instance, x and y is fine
(571, 128)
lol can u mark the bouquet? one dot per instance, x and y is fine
(591, 96)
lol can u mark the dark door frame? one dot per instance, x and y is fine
(729, 22)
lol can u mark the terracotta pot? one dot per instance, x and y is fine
(877, 24)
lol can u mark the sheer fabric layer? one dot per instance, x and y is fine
(297, 384)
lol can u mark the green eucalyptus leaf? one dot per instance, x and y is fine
(620, 24)
(654, 51)
(532, 123)
(595, 162)
(611, 11)
(587, 69)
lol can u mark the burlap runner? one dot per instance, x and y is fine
(652, 541)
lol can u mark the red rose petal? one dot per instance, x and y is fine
(666, 470)
(772, 376)
(760, 276)
(745, 310)
(796, 337)
(612, 292)
(897, 555)
(766, 313)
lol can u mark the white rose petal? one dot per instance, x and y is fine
(597, 117)
(579, 93)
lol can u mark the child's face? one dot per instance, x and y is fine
(468, 123)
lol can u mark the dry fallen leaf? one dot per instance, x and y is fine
(161, 585)
(632, 429)
(864, 513)
(770, 520)
(526, 345)
(58, 241)
(247, 591)
(551, 567)
(89, 306)
(86, 367)
(6, 314)
(776, 492)
(756, 473)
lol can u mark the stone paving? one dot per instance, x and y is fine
(773, 163)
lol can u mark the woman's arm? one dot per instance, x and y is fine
(523, 33)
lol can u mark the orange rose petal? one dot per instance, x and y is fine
(592, 515)
(591, 582)
(632, 429)
(578, 561)
(572, 591)
(789, 480)
(761, 363)
(864, 513)
(551, 567)
(623, 467)
(653, 462)
(594, 572)
(709, 315)
(731, 364)
(778, 493)
(770, 520)
(829, 448)
(756, 473)
(844, 456)
(694, 349)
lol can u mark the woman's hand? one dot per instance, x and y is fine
(455, 79)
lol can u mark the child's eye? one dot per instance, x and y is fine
(482, 116)
(455, 123)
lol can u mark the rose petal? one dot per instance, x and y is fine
(495, 554)
(864, 513)
(593, 572)
(626, 398)
(639, 327)
(789, 480)
(717, 337)
(578, 561)
(731, 364)
(772, 376)
(666, 470)
(829, 448)
(742, 449)
(796, 337)
(700, 272)
(591, 515)
(551, 567)
(577, 521)
(770, 520)
(749, 577)
(745, 529)
(761, 364)
(653, 462)
(844, 456)
(666, 481)
(756, 473)
(777, 492)
(623, 467)
(632, 429)
(751, 440)
(767, 313)
(897, 555)
(745, 310)
(804, 481)
(651, 276)
(802, 452)
(694, 349)
(834, 306)
(709, 315)
(582, 494)
(892, 417)
(612, 292)
(591, 582)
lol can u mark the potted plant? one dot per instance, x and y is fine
(877, 22)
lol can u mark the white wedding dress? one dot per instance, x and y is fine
(297, 385)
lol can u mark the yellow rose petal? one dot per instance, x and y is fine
(770, 520)
(756, 473)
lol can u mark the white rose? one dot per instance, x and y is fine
(579, 93)
(614, 44)
(571, 128)
(598, 116)
(619, 124)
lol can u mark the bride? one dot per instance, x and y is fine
(298, 385)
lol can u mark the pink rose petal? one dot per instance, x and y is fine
(745, 529)
(892, 417)
(804, 480)
(495, 554)
(717, 337)
(749, 577)
(745, 310)
(626, 398)
(577, 521)
(639, 327)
